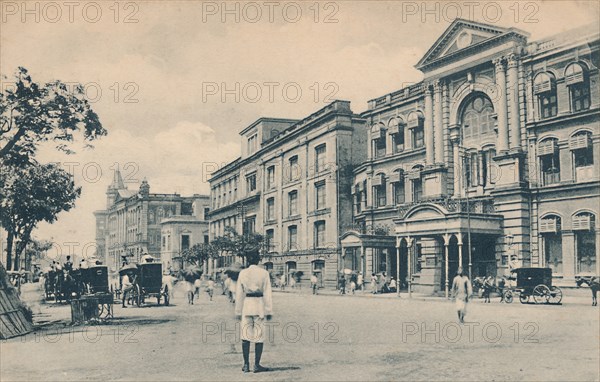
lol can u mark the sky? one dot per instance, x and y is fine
(174, 82)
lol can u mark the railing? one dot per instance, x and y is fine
(368, 229)
(476, 205)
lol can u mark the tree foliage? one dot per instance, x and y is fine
(242, 245)
(30, 194)
(198, 253)
(31, 113)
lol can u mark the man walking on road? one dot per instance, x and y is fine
(462, 291)
(252, 305)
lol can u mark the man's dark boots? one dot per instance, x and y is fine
(258, 349)
(246, 354)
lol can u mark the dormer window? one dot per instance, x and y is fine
(252, 144)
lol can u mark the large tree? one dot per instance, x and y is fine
(31, 113)
(30, 194)
(198, 253)
(242, 245)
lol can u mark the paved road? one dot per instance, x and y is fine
(322, 337)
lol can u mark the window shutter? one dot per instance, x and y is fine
(582, 223)
(395, 177)
(547, 147)
(376, 181)
(549, 225)
(579, 141)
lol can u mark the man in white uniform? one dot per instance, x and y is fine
(252, 305)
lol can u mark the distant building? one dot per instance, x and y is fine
(131, 224)
(181, 232)
(292, 185)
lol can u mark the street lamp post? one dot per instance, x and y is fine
(464, 158)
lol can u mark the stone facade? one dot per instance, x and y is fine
(494, 151)
(131, 224)
(292, 184)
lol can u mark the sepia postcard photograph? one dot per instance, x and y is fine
(309, 190)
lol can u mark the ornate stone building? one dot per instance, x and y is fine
(494, 151)
(131, 224)
(292, 184)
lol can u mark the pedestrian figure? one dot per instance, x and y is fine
(392, 285)
(282, 282)
(360, 281)
(373, 283)
(197, 287)
(126, 286)
(313, 283)
(461, 291)
(210, 287)
(342, 285)
(253, 305)
(189, 291)
(352, 286)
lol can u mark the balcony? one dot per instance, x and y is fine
(584, 173)
(476, 205)
(551, 176)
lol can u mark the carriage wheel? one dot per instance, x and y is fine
(508, 297)
(524, 298)
(555, 295)
(137, 295)
(541, 294)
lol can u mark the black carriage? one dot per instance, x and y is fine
(533, 285)
(62, 285)
(94, 279)
(147, 282)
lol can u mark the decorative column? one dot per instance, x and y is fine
(446, 243)
(398, 241)
(409, 253)
(438, 135)
(502, 111)
(429, 149)
(460, 243)
(513, 91)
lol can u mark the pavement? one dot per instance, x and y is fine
(329, 337)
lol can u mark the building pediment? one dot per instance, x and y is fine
(462, 35)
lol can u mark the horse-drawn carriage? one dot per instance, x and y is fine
(66, 284)
(533, 282)
(146, 279)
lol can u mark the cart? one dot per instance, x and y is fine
(147, 282)
(533, 285)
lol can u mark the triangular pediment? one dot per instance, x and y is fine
(461, 34)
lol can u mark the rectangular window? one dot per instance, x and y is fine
(319, 234)
(418, 134)
(550, 165)
(398, 188)
(249, 225)
(252, 144)
(580, 96)
(270, 240)
(417, 190)
(548, 104)
(379, 144)
(583, 159)
(270, 177)
(251, 183)
(271, 209)
(293, 203)
(398, 140)
(292, 238)
(185, 242)
(320, 196)
(293, 171)
(320, 152)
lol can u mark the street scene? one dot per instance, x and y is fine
(321, 191)
(325, 337)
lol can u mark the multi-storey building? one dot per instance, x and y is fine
(487, 163)
(292, 185)
(131, 224)
(181, 232)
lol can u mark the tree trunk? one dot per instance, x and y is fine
(25, 237)
(9, 246)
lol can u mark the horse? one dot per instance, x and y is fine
(489, 285)
(593, 283)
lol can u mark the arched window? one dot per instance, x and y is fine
(549, 161)
(480, 168)
(397, 181)
(396, 130)
(379, 190)
(583, 225)
(415, 124)
(478, 118)
(378, 139)
(550, 230)
(544, 87)
(583, 155)
(579, 86)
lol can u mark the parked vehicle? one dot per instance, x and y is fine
(533, 284)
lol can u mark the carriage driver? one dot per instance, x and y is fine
(252, 305)
(126, 286)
